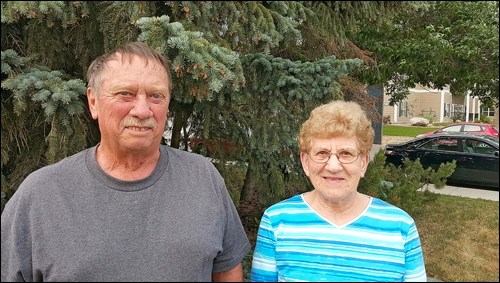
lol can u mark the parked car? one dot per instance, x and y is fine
(470, 127)
(476, 156)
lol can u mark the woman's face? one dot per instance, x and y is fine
(333, 180)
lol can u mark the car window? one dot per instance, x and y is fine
(455, 128)
(472, 128)
(484, 148)
(469, 145)
(445, 143)
(492, 139)
(429, 145)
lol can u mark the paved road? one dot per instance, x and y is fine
(467, 192)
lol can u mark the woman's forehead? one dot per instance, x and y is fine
(334, 142)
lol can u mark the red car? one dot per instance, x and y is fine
(470, 127)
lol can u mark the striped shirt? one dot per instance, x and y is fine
(294, 243)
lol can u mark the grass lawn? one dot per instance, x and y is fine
(405, 131)
(460, 239)
(460, 236)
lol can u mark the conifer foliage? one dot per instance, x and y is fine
(246, 74)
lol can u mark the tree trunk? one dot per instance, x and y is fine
(249, 192)
(182, 113)
(249, 207)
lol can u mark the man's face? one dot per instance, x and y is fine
(131, 104)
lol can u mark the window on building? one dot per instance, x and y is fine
(446, 109)
(488, 111)
(403, 109)
(457, 112)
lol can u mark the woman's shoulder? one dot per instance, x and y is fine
(292, 203)
(385, 209)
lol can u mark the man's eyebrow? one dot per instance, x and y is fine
(132, 87)
(157, 89)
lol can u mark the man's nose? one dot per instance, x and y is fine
(142, 107)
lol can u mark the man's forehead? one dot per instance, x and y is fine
(120, 60)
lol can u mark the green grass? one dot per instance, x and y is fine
(460, 236)
(405, 131)
(460, 239)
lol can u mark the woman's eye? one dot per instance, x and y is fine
(323, 154)
(346, 153)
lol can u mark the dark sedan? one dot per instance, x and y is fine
(476, 156)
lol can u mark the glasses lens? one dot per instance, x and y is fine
(343, 156)
(320, 156)
(347, 156)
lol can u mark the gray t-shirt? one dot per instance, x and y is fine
(71, 221)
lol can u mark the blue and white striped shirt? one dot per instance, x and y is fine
(294, 243)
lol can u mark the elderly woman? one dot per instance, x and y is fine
(334, 233)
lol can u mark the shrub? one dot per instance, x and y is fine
(485, 119)
(430, 118)
(386, 120)
(401, 186)
(458, 117)
(234, 175)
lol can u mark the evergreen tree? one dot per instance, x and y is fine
(244, 72)
(42, 119)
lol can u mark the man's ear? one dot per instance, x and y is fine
(93, 105)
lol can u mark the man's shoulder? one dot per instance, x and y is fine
(176, 153)
(62, 167)
(46, 180)
(66, 163)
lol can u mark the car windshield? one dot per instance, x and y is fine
(492, 138)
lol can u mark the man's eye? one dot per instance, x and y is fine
(157, 97)
(125, 93)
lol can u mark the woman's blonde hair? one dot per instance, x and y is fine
(337, 119)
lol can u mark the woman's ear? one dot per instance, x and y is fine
(365, 159)
(304, 160)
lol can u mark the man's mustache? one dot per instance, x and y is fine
(132, 122)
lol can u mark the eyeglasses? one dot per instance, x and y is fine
(343, 156)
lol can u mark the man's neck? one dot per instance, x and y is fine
(127, 166)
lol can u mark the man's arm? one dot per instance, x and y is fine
(232, 275)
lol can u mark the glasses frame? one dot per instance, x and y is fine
(338, 159)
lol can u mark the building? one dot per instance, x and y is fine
(438, 106)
